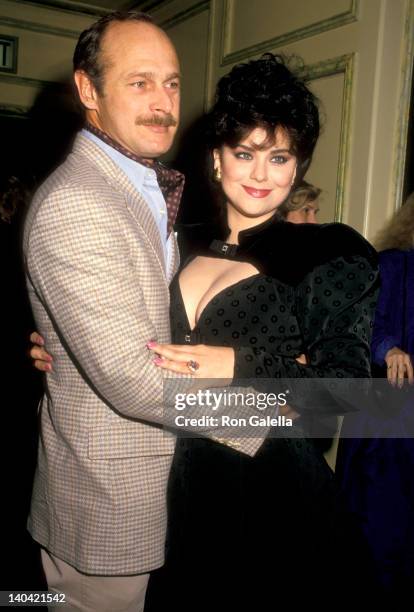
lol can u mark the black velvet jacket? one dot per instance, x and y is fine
(325, 281)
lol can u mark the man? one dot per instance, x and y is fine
(98, 264)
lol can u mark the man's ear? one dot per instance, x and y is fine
(86, 90)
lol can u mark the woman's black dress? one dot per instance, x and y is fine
(244, 532)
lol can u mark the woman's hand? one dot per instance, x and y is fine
(41, 359)
(198, 359)
(399, 366)
(302, 359)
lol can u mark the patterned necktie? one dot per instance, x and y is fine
(171, 182)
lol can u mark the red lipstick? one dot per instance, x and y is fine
(256, 193)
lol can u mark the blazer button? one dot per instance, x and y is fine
(187, 338)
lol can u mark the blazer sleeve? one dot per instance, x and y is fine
(79, 265)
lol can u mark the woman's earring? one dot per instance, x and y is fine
(217, 174)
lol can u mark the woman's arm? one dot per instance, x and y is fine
(335, 306)
(390, 296)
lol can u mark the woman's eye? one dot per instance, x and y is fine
(280, 159)
(242, 155)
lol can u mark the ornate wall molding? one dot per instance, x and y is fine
(151, 5)
(62, 6)
(229, 57)
(28, 82)
(344, 64)
(32, 26)
(404, 106)
(181, 16)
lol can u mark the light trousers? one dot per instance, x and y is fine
(85, 593)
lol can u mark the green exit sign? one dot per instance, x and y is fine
(8, 53)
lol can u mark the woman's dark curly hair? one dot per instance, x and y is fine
(265, 93)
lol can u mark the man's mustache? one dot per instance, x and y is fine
(166, 120)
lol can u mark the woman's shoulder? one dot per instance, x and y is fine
(340, 240)
(319, 244)
(342, 263)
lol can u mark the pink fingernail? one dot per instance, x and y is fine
(158, 360)
(151, 344)
(48, 367)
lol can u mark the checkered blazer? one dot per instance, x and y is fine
(99, 292)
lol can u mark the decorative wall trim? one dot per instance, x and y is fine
(68, 7)
(404, 106)
(228, 57)
(208, 84)
(181, 16)
(343, 64)
(10, 110)
(32, 26)
(152, 5)
(28, 82)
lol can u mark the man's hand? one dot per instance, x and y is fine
(399, 366)
(41, 359)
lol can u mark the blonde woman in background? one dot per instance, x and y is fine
(302, 205)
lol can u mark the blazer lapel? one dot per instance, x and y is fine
(135, 203)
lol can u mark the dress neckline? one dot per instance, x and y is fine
(209, 303)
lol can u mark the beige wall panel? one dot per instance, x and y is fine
(191, 38)
(325, 167)
(42, 56)
(44, 16)
(250, 23)
(46, 40)
(17, 95)
(53, 57)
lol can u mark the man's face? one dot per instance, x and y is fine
(140, 101)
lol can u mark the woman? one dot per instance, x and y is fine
(377, 474)
(302, 205)
(245, 532)
(393, 334)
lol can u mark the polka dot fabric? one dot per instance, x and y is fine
(327, 316)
